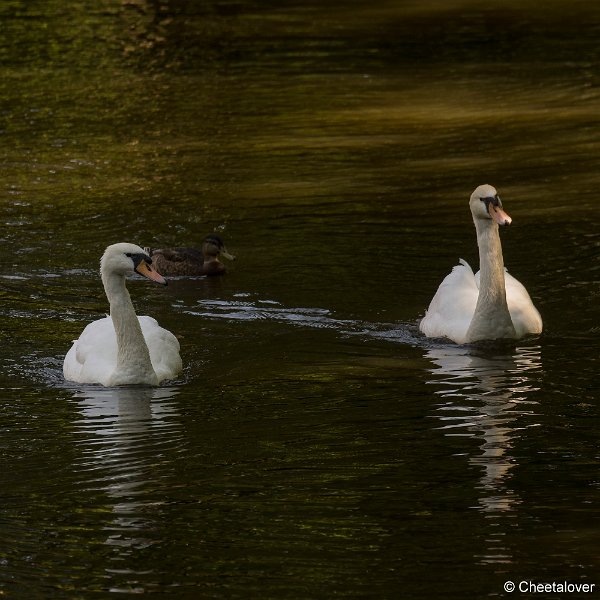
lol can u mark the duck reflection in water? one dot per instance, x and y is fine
(485, 394)
(120, 433)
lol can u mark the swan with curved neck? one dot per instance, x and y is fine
(491, 304)
(123, 349)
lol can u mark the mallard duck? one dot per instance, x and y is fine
(190, 261)
(123, 349)
(491, 304)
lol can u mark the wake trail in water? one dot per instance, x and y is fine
(315, 318)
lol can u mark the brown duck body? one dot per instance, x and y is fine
(191, 261)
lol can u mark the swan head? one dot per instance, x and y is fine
(124, 259)
(486, 204)
(212, 246)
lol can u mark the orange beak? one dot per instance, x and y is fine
(498, 214)
(148, 271)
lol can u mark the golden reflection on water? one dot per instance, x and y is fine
(350, 133)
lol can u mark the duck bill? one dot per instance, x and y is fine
(226, 254)
(146, 270)
(498, 214)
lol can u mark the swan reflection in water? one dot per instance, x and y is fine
(123, 432)
(485, 394)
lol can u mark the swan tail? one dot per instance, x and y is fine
(465, 264)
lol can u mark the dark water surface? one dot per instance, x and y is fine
(316, 446)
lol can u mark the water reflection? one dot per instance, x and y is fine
(123, 433)
(486, 396)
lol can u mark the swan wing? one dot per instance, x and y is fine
(523, 313)
(93, 356)
(451, 309)
(163, 347)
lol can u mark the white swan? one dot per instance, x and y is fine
(123, 349)
(491, 304)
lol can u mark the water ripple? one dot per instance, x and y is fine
(486, 395)
(122, 435)
(312, 317)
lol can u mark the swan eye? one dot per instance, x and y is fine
(136, 258)
(493, 200)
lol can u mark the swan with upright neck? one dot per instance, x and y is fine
(491, 304)
(122, 348)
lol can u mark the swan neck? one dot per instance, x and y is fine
(491, 319)
(491, 261)
(133, 356)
